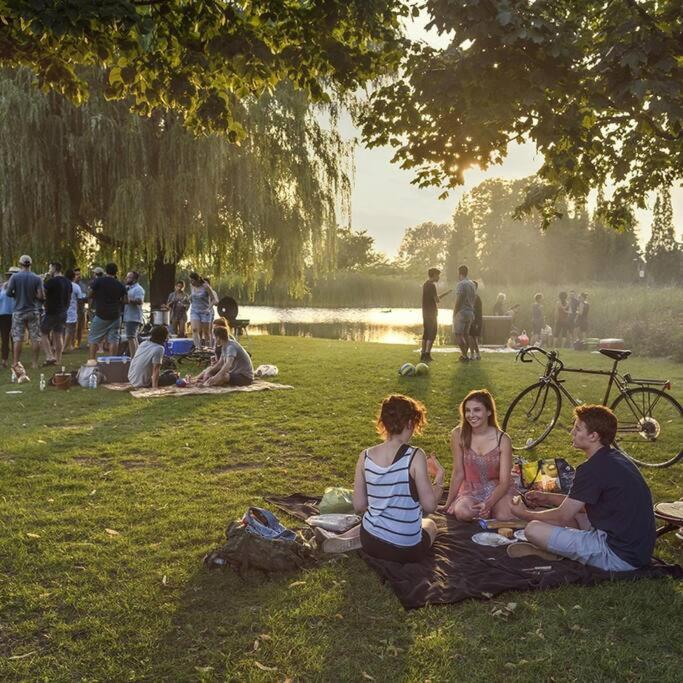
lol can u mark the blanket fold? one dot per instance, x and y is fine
(457, 568)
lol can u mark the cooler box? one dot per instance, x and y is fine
(114, 369)
(496, 329)
(179, 347)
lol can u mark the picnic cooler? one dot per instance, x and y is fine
(114, 369)
(496, 329)
(179, 347)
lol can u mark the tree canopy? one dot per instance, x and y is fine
(424, 246)
(596, 86)
(199, 58)
(501, 248)
(149, 191)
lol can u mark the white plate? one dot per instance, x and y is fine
(520, 535)
(491, 539)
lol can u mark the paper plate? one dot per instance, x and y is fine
(491, 539)
(520, 535)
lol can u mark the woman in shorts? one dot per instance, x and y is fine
(203, 300)
(481, 483)
(393, 486)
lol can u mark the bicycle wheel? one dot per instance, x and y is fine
(532, 415)
(650, 428)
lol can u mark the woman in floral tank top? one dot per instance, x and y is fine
(481, 483)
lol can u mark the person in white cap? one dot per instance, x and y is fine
(27, 290)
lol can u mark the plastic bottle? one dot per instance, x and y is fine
(92, 381)
(14, 377)
(42, 383)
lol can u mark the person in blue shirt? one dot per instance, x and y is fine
(132, 312)
(6, 310)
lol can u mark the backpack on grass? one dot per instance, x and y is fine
(259, 541)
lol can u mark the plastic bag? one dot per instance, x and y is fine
(336, 499)
(266, 371)
(334, 522)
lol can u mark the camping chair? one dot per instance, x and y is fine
(228, 308)
(672, 516)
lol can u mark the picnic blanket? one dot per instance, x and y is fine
(258, 385)
(457, 568)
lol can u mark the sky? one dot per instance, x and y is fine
(385, 203)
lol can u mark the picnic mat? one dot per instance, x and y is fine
(258, 385)
(457, 568)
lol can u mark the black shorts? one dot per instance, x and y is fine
(475, 329)
(240, 380)
(387, 551)
(431, 326)
(53, 322)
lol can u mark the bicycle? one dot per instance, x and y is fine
(650, 420)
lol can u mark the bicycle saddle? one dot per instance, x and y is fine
(615, 354)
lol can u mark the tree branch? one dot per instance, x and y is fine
(105, 239)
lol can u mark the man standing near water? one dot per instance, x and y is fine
(430, 312)
(463, 313)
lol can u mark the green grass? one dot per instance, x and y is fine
(169, 474)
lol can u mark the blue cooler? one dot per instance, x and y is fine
(179, 347)
(114, 369)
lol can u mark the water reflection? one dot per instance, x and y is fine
(385, 326)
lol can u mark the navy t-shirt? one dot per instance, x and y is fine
(107, 293)
(57, 295)
(618, 502)
(430, 307)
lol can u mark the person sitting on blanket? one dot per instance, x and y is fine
(146, 363)
(606, 521)
(393, 488)
(481, 483)
(233, 367)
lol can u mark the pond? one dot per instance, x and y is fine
(381, 325)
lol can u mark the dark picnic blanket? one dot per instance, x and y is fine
(457, 568)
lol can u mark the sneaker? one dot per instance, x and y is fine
(522, 549)
(463, 359)
(477, 357)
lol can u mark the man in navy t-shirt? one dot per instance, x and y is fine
(606, 521)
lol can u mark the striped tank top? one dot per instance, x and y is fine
(394, 514)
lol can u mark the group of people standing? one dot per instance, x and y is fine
(53, 312)
(467, 315)
(605, 521)
(50, 310)
(570, 316)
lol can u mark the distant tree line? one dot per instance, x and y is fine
(503, 245)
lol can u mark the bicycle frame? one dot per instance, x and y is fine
(555, 366)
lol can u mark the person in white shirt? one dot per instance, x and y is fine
(146, 363)
(132, 312)
(72, 311)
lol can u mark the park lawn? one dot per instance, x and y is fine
(169, 474)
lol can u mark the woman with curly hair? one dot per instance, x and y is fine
(393, 487)
(481, 483)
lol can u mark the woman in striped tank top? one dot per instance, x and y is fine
(393, 486)
(481, 483)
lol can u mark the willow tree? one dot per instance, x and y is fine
(147, 190)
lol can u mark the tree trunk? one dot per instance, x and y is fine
(162, 280)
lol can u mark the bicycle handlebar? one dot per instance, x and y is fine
(521, 354)
(552, 356)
